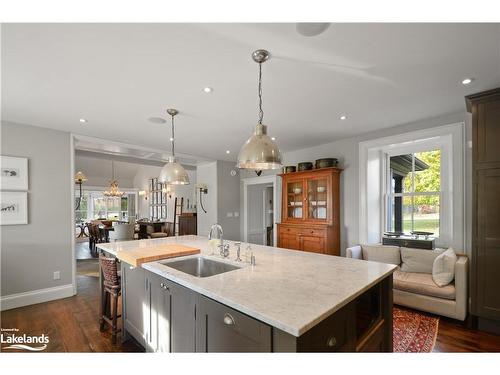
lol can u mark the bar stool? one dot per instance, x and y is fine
(111, 290)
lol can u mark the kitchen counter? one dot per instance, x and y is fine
(290, 290)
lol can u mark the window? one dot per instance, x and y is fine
(94, 205)
(414, 198)
(110, 208)
(81, 214)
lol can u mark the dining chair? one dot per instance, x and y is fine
(122, 232)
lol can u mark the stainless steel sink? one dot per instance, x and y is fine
(200, 267)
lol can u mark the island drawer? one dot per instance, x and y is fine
(335, 334)
(222, 329)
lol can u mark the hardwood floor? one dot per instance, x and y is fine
(82, 250)
(72, 326)
(454, 336)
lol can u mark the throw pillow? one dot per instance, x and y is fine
(382, 253)
(418, 260)
(443, 269)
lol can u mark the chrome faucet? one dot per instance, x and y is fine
(224, 250)
(216, 233)
(238, 246)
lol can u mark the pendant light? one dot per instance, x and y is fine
(113, 185)
(173, 173)
(260, 151)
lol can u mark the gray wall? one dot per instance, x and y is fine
(228, 199)
(31, 253)
(207, 174)
(223, 198)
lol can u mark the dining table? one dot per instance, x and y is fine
(105, 229)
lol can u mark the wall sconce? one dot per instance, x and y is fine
(167, 190)
(143, 193)
(80, 178)
(202, 188)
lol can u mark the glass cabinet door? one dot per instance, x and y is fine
(295, 199)
(317, 198)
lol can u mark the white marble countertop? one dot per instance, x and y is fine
(287, 289)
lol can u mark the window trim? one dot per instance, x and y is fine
(372, 183)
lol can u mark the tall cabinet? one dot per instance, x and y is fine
(310, 219)
(485, 276)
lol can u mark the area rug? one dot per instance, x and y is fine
(87, 267)
(414, 332)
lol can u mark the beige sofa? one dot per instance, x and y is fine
(418, 290)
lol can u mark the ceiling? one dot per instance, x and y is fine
(118, 75)
(95, 166)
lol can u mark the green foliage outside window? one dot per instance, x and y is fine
(428, 180)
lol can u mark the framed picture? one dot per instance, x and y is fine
(13, 207)
(13, 173)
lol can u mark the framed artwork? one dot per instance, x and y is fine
(13, 207)
(13, 173)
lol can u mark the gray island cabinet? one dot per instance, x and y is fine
(288, 301)
(157, 313)
(164, 316)
(136, 291)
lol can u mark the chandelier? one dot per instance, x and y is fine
(113, 185)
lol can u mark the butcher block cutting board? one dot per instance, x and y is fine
(141, 255)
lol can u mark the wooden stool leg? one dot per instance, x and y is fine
(104, 308)
(115, 318)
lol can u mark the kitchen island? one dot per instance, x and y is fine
(288, 301)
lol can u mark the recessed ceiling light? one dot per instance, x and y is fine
(157, 120)
(466, 81)
(343, 117)
(208, 89)
(273, 138)
(171, 139)
(228, 152)
(83, 121)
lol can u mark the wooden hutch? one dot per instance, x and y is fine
(310, 218)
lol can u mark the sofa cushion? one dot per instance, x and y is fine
(422, 283)
(418, 260)
(382, 253)
(443, 269)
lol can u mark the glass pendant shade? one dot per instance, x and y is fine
(173, 173)
(259, 151)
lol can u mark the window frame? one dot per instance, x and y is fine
(389, 195)
(444, 144)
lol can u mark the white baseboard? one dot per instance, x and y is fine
(35, 296)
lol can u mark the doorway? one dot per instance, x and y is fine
(260, 210)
